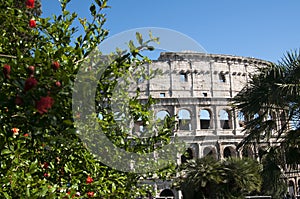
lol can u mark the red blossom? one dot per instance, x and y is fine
(44, 104)
(55, 65)
(32, 23)
(30, 83)
(46, 175)
(30, 3)
(46, 165)
(90, 194)
(31, 69)
(15, 131)
(58, 84)
(26, 135)
(89, 180)
(6, 70)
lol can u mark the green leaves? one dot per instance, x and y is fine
(93, 10)
(210, 178)
(47, 158)
(139, 38)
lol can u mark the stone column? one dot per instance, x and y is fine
(171, 78)
(194, 118)
(197, 111)
(211, 78)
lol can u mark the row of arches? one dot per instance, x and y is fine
(224, 117)
(205, 115)
(217, 153)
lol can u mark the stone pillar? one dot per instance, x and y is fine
(216, 118)
(171, 78)
(200, 153)
(192, 78)
(198, 118)
(179, 194)
(194, 118)
(221, 150)
(211, 78)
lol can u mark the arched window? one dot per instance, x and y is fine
(229, 152)
(291, 187)
(247, 152)
(205, 119)
(161, 115)
(166, 193)
(225, 119)
(241, 119)
(184, 120)
(139, 126)
(210, 151)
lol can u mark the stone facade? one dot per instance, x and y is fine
(197, 87)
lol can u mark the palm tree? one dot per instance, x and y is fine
(242, 177)
(200, 177)
(274, 89)
(210, 178)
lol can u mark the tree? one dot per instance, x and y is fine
(41, 153)
(273, 182)
(210, 178)
(271, 103)
(273, 89)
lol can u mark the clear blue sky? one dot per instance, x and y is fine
(264, 29)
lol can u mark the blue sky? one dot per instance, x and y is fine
(263, 29)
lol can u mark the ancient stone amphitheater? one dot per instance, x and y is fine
(197, 88)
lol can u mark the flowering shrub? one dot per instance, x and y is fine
(32, 23)
(44, 104)
(41, 154)
(30, 3)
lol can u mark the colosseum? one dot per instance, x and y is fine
(197, 88)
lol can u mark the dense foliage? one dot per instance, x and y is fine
(270, 104)
(210, 178)
(41, 153)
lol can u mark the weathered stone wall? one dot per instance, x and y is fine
(192, 82)
(198, 81)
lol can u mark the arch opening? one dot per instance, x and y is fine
(205, 119)
(184, 120)
(225, 119)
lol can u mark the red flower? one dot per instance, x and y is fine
(30, 83)
(46, 175)
(90, 194)
(31, 69)
(32, 23)
(58, 84)
(30, 3)
(26, 135)
(55, 65)
(6, 70)
(15, 131)
(46, 165)
(44, 104)
(89, 180)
